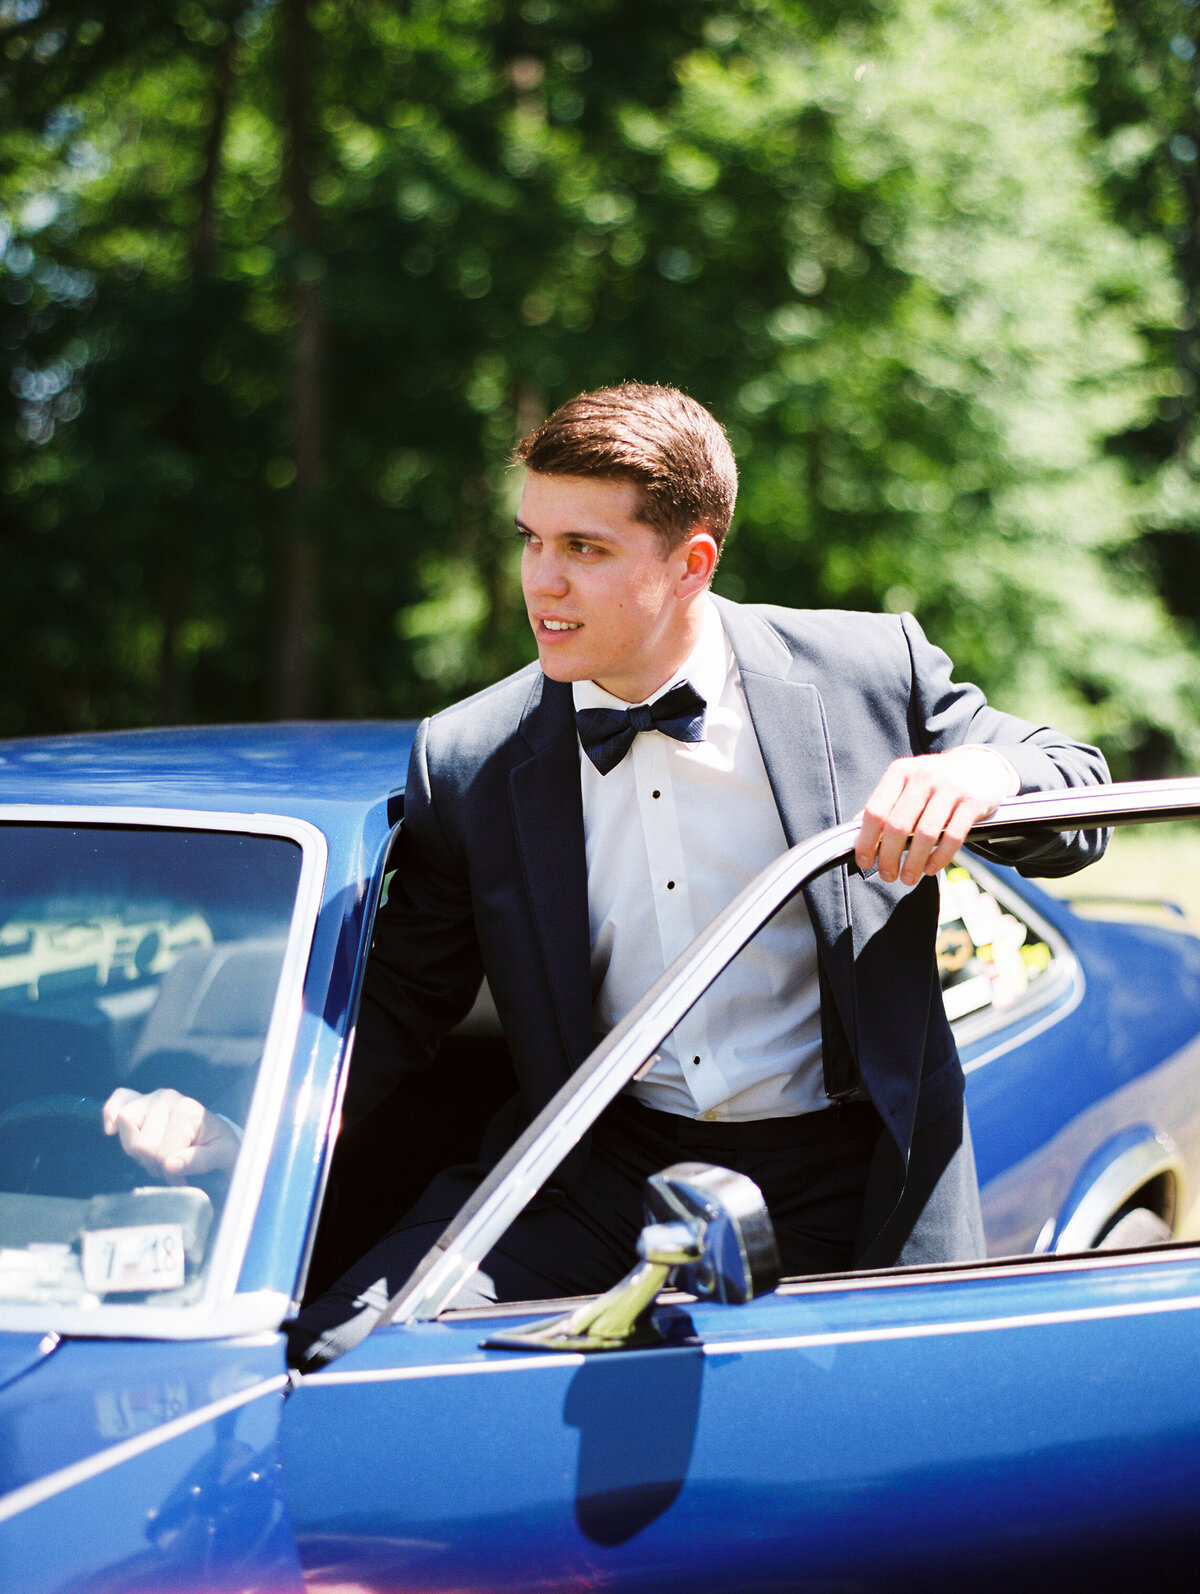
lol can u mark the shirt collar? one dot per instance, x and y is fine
(706, 667)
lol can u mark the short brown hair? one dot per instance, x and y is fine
(656, 437)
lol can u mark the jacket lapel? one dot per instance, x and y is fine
(547, 812)
(789, 721)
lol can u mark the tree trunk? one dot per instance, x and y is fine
(175, 575)
(301, 562)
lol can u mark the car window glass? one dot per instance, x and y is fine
(987, 955)
(137, 958)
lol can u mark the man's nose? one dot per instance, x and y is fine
(544, 575)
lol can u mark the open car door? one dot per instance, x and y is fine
(1035, 1418)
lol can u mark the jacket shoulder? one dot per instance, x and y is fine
(833, 627)
(851, 644)
(473, 729)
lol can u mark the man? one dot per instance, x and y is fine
(569, 830)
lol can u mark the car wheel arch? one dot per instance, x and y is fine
(1140, 1169)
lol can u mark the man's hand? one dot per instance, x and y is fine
(169, 1134)
(935, 799)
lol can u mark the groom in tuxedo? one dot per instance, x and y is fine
(569, 831)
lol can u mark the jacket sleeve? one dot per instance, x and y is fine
(948, 714)
(425, 967)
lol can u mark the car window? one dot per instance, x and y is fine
(136, 957)
(989, 954)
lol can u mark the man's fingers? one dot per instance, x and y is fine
(157, 1128)
(934, 798)
(903, 818)
(216, 1148)
(875, 814)
(954, 834)
(170, 1134)
(927, 834)
(110, 1113)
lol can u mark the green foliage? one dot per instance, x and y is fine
(282, 283)
(1145, 98)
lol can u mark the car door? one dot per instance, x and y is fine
(942, 1430)
(949, 1427)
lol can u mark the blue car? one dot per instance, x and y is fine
(192, 911)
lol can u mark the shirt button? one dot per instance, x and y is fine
(695, 1059)
(709, 1117)
(670, 885)
(656, 795)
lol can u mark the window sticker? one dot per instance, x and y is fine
(149, 1256)
(986, 956)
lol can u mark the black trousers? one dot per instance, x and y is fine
(812, 1170)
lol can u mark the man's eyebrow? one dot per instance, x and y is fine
(582, 535)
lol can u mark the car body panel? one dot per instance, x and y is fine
(1034, 1419)
(1138, 1034)
(909, 1437)
(127, 1466)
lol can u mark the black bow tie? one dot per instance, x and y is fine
(606, 734)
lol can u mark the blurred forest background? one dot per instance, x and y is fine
(281, 281)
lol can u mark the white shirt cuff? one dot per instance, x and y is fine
(1014, 780)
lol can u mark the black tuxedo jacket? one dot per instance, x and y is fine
(492, 878)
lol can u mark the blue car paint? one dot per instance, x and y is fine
(20, 1352)
(894, 1447)
(1131, 1027)
(132, 1464)
(875, 1433)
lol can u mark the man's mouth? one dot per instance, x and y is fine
(561, 625)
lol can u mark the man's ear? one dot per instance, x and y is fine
(699, 551)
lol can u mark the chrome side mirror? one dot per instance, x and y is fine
(739, 1258)
(709, 1227)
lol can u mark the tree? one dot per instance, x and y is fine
(329, 261)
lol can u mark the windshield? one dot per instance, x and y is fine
(129, 957)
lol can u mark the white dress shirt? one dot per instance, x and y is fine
(673, 833)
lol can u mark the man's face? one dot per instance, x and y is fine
(604, 602)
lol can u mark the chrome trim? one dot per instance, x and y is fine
(402, 1375)
(817, 1340)
(1094, 807)
(562, 1123)
(1122, 1178)
(250, 1312)
(966, 1325)
(217, 1298)
(31, 1494)
(1027, 1265)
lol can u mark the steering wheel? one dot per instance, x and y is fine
(55, 1145)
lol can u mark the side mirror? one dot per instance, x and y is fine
(739, 1258)
(709, 1227)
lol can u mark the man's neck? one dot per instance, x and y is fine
(652, 681)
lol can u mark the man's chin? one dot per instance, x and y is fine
(557, 668)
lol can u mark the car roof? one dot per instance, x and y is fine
(279, 768)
